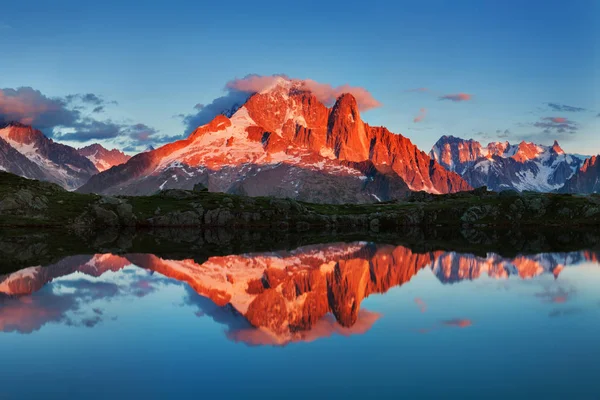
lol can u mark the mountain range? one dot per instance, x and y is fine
(284, 142)
(505, 166)
(586, 179)
(29, 153)
(102, 158)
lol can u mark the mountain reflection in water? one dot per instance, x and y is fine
(269, 298)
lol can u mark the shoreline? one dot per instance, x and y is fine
(35, 204)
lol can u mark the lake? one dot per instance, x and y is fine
(338, 319)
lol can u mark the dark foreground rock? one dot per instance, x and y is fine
(31, 203)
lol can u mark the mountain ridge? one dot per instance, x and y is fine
(101, 157)
(57, 162)
(285, 143)
(586, 180)
(505, 166)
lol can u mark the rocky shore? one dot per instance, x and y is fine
(28, 203)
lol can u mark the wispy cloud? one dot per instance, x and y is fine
(71, 118)
(324, 92)
(458, 322)
(422, 305)
(557, 125)
(456, 97)
(564, 107)
(238, 90)
(503, 133)
(421, 116)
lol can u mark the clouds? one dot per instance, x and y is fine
(327, 94)
(140, 132)
(458, 322)
(457, 97)
(499, 134)
(88, 98)
(227, 105)
(72, 118)
(88, 129)
(454, 97)
(557, 125)
(421, 116)
(254, 83)
(549, 128)
(421, 304)
(142, 135)
(131, 138)
(324, 92)
(240, 89)
(29, 106)
(503, 133)
(564, 108)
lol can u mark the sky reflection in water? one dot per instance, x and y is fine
(448, 324)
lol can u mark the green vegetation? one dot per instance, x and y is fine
(31, 203)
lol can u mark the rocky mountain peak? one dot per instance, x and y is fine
(589, 163)
(346, 133)
(284, 142)
(20, 133)
(556, 148)
(103, 158)
(526, 151)
(501, 166)
(54, 162)
(586, 180)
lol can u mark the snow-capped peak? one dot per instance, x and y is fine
(501, 165)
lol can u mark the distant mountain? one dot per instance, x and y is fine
(13, 161)
(586, 179)
(102, 158)
(42, 158)
(283, 142)
(503, 166)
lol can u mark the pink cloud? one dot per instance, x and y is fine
(558, 120)
(422, 305)
(459, 323)
(29, 106)
(421, 116)
(253, 83)
(456, 97)
(559, 299)
(324, 92)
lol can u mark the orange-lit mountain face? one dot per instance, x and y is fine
(283, 142)
(297, 295)
(587, 179)
(102, 158)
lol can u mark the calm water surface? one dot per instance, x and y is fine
(340, 320)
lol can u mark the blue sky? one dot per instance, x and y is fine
(158, 60)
